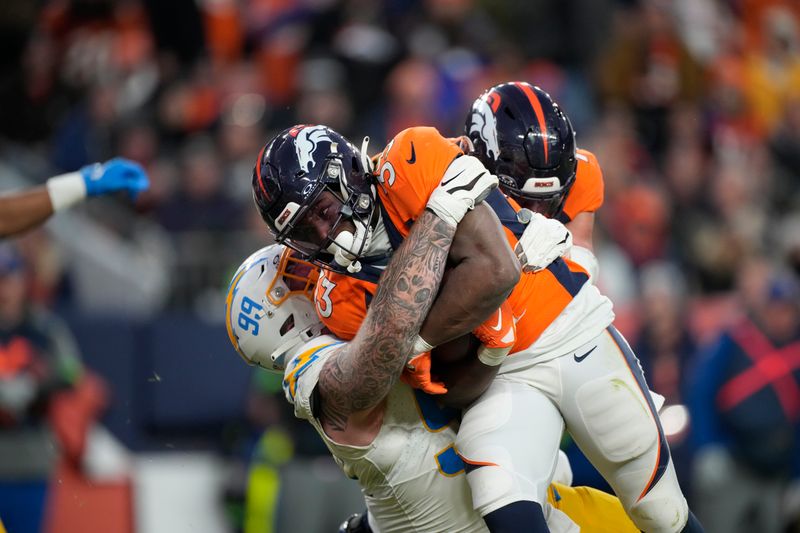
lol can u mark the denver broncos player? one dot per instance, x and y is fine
(506, 127)
(520, 134)
(315, 191)
(401, 450)
(570, 364)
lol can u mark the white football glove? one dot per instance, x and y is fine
(465, 183)
(543, 241)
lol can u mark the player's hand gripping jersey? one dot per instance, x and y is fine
(547, 305)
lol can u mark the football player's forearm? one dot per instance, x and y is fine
(485, 273)
(359, 377)
(24, 210)
(469, 297)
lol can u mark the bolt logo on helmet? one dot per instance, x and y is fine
(311, 173)
(521, 135)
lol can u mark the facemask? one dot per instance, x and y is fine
(347, 242)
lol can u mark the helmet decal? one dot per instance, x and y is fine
(537, 109)
(307, 141)
(286, 215)
(484, 123)
(530, 145)
(296, 169)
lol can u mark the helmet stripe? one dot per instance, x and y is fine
(493, 99)
(258, 173)
(537, 108)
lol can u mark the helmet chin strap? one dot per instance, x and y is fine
(365, 160)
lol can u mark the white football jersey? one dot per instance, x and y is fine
(586, 316)
(411, 476)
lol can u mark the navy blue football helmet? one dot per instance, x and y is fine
(307, 173)
(523, 137)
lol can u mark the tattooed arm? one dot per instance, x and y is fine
(355, 381)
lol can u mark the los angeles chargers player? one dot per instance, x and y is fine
(401, 449)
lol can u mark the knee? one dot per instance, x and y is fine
(660, 513)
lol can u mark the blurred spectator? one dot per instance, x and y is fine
(649, 68)
(664, 341)
(640, 223)
(745, 408)
(322, 100)
(177, 27)
(785, 146)
(772, 69)
(789, 241)
(201, 203)
(414, 88)
(38, 362)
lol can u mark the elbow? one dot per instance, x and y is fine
(508, 269)
(510, 273)
(505, 274)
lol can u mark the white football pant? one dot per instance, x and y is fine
(510, 437)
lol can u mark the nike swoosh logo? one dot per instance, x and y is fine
(413, 155)
(499, 320)
(451, 179)
(584, 356)
(518, 318)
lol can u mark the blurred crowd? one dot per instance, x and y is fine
(691, 106)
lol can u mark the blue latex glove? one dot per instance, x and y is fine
(118, 174)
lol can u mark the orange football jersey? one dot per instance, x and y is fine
(586, 194)
(342, 302)
(409, 169)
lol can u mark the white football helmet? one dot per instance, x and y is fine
(269, 309)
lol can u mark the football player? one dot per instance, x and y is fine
(521, 135)
(23, 210)
(570, 364)
(396, 441)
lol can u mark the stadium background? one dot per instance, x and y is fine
(691, 106)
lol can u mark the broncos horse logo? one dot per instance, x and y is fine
(306, 143)
(483, 122)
